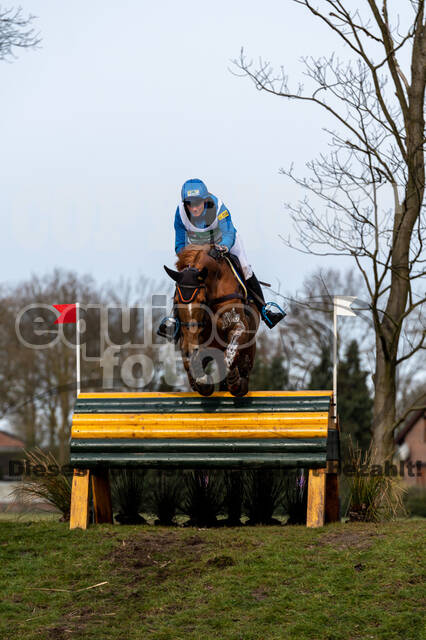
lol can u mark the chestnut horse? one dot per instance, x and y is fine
(216, 321)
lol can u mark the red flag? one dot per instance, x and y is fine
(68, 313)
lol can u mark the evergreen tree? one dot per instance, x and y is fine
(355, 402)
(269, 371)
(322, 375)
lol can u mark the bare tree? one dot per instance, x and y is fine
(372, 182)
(308, 328)
(16, 32)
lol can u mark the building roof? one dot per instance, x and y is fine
(10, 441)
(410, 424)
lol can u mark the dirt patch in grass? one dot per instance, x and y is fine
(221, 562)
(159, 554)
(260, 593)
(193, 541)
(74, 624)
(144, 550)
(348, 539)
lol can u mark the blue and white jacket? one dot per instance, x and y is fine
(214, 225)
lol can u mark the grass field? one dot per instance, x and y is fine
(342, 582)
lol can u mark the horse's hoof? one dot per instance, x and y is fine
(205, 389)
(205, 385)
(240, 389)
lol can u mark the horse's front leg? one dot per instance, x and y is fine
(236, 337)
(199, 380)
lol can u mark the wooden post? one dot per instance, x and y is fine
(79, 514)
(332, 504)
(316, 498)
(101, 492)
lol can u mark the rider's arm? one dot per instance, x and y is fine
(227, 228)
(180, 233)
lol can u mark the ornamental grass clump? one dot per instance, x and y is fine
(263, 491)
(127, 492)
(44, 480)
(233, 497)
(165, 497)
(295, 497)
(373, 495)
(203, 498)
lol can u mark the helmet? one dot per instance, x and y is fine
(194, 189)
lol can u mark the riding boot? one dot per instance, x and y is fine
(170, 327)
(270, 312)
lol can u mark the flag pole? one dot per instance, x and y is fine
(77, 347)
(335, 357)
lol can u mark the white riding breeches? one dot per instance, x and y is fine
(238, 250)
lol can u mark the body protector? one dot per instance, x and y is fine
(211, 233)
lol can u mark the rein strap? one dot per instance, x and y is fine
(230, 296)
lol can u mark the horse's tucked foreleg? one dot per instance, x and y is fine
(198, 379)
(235, 339)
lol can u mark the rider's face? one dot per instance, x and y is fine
(196, 208)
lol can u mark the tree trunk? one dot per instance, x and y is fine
(384, 405)
(388, 330)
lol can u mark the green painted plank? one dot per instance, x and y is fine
(204, 461)
(165, 445)
(257, 404)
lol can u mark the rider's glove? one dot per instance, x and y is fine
(222, 248)
(218, 251)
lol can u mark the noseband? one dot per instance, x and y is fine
(192, 283)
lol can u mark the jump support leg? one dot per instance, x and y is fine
(101, 493)
(332, 504)
(79, 513)
(315, 516)
(323, 497)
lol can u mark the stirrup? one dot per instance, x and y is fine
(169, 328)
(270, 316)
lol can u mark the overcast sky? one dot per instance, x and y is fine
(124, 102)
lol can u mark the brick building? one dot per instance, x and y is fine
(11, 448)
(412, 446)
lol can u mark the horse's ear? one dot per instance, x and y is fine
(175, 275)
(203, 274)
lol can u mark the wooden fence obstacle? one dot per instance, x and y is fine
(264, 429)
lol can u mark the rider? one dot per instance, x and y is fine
(202, 218)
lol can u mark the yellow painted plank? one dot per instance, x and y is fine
(219, 394)
(230, 418)
(253, 425)
(79, 512)
(309, 417)
(316, 498)
(127, 432)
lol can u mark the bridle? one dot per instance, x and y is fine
(194, 286)
(191, 273)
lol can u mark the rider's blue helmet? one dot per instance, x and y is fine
(194, 189)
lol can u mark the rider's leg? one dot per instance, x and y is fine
(270, 312)
(169, 327)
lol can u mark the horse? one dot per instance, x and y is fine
(216, 321)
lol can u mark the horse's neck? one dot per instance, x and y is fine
(224, 285)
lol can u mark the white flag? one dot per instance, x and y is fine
(342, 305)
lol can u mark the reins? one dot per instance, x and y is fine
(195, 290)
(231, 296)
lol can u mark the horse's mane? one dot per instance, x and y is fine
(191, 255)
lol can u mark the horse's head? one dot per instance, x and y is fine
(191, 301)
